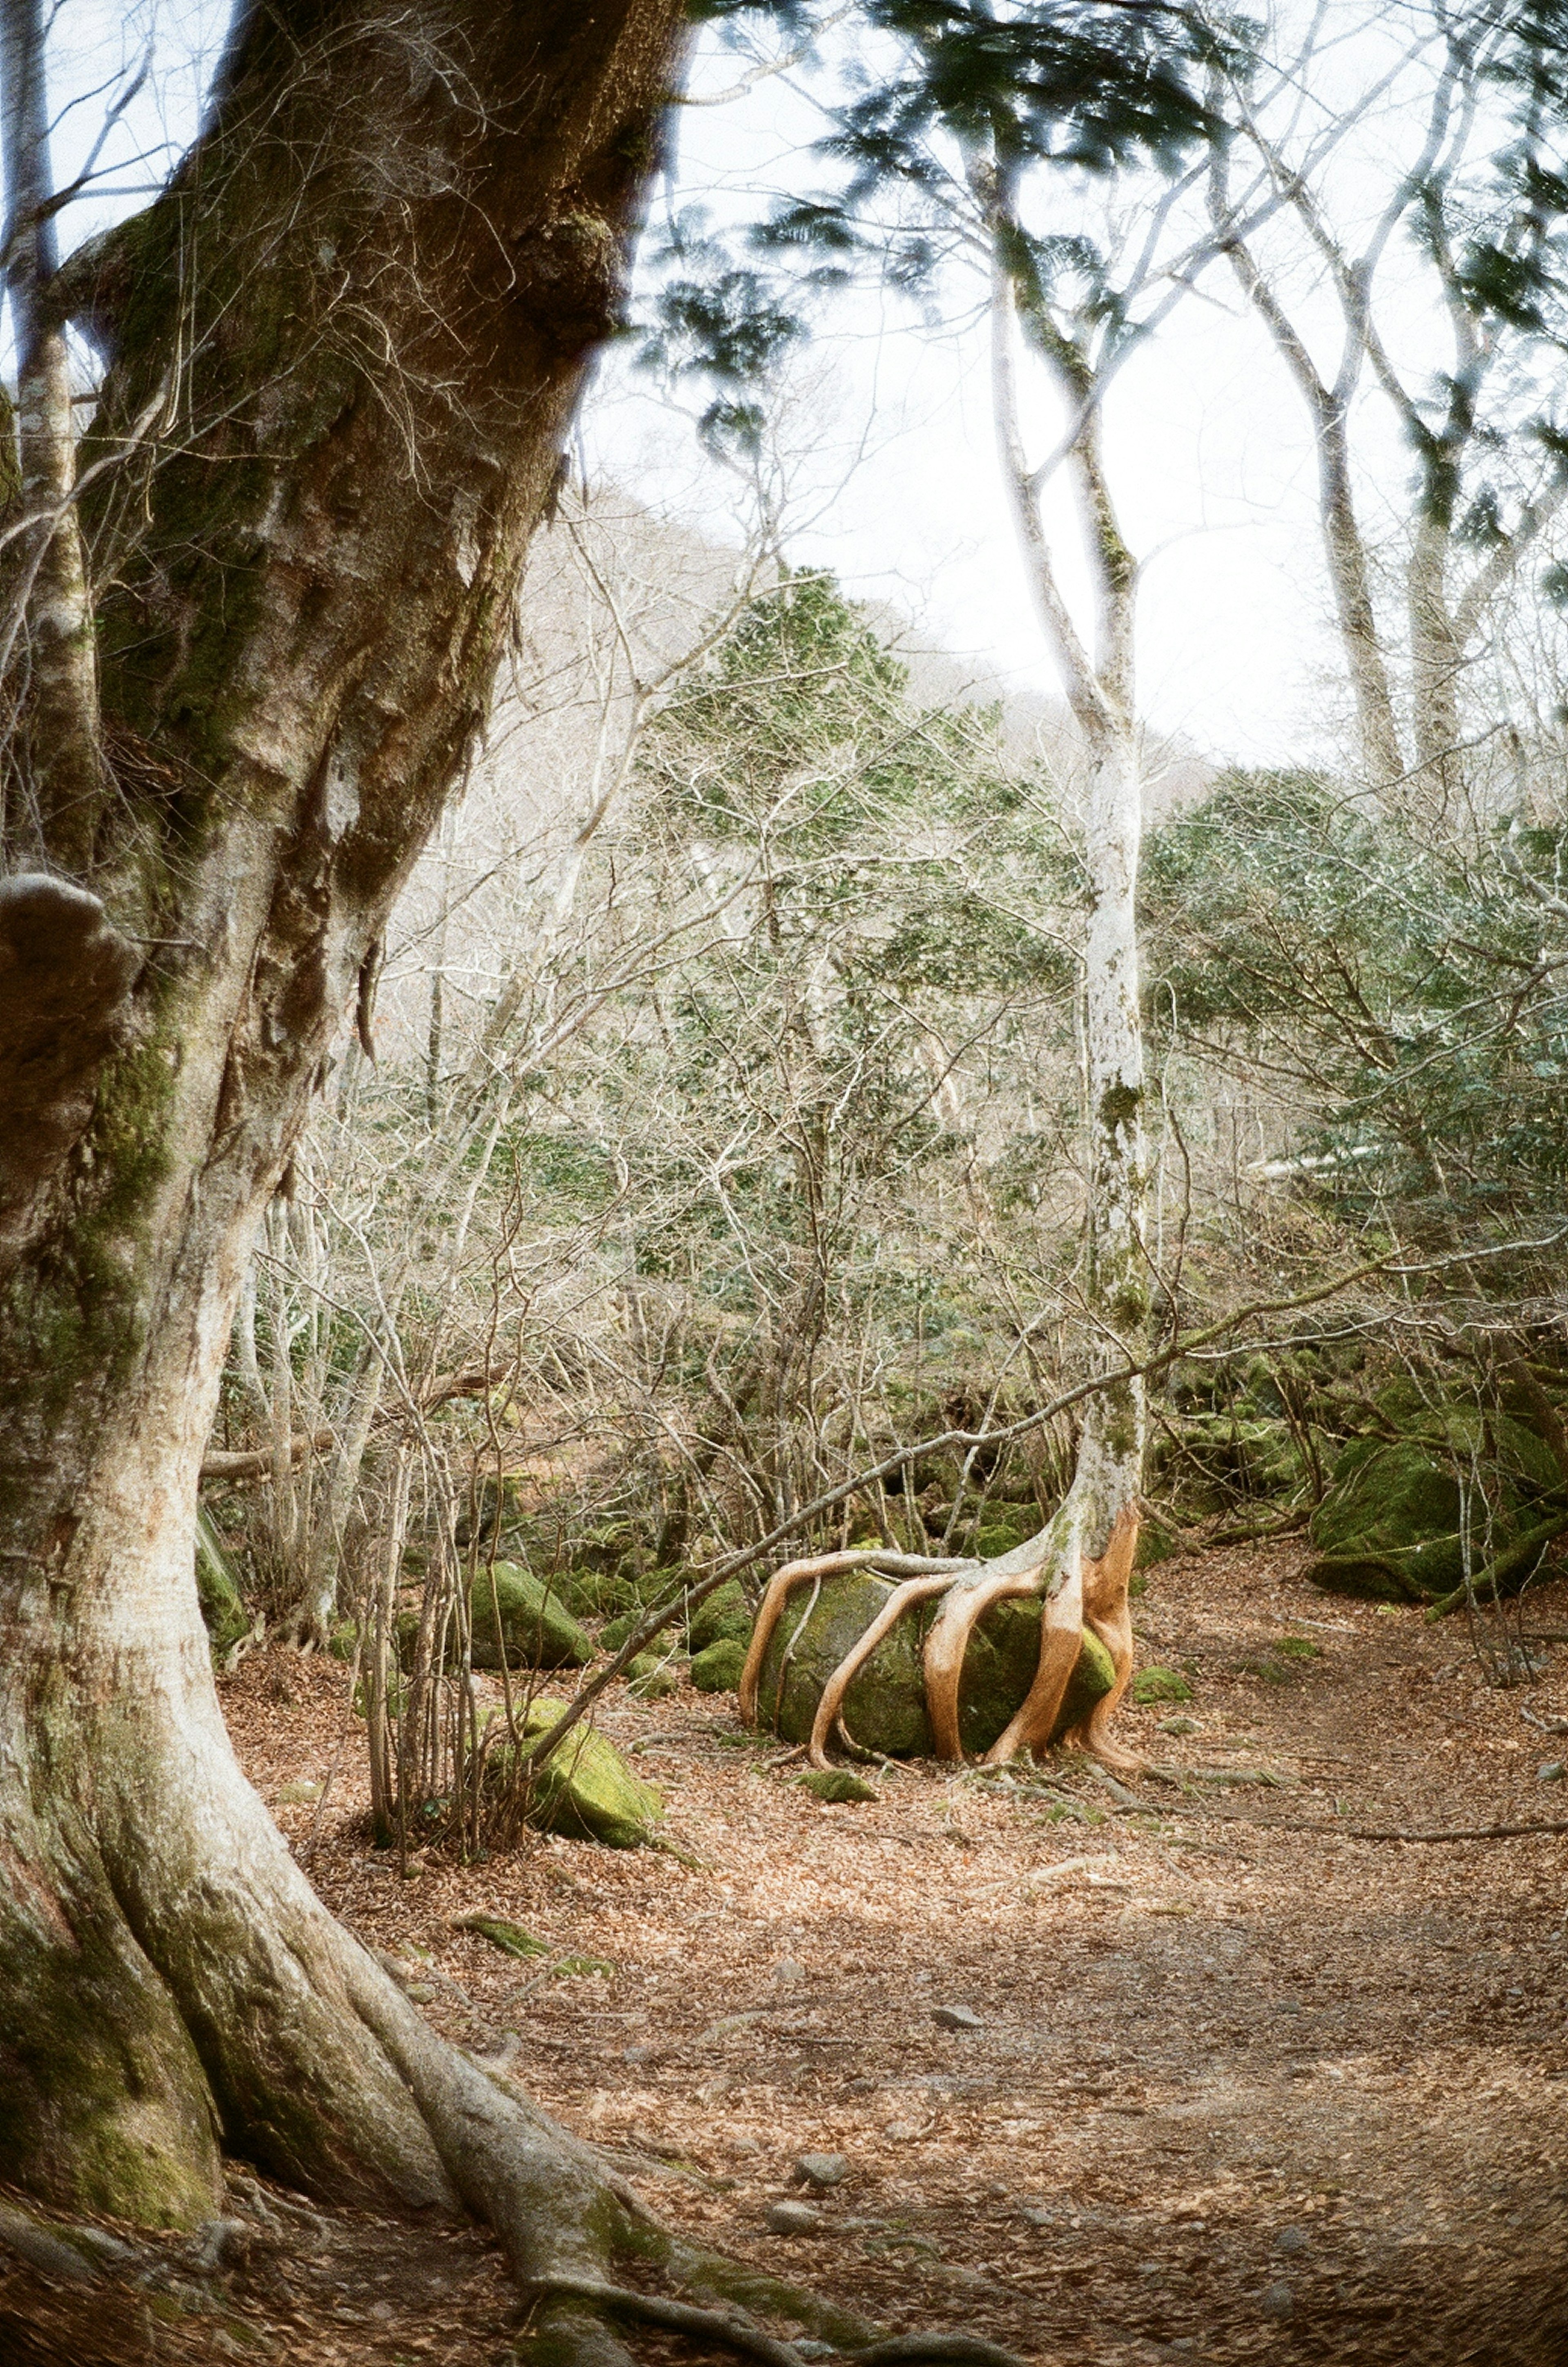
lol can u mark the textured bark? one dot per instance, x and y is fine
(1099, 686)
(47, 616)
(345, 345)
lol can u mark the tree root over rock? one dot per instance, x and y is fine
(1077, 1590)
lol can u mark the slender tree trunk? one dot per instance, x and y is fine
(368, 296)
(1093, 1537)
(50, 619)
(1345, 551)
(1437, 662)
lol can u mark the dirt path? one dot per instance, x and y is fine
(1243, 2086)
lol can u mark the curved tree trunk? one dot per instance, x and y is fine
(345, 345)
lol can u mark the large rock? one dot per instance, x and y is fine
(884, 1709)
(718, 1669)
(218, 1589)
(585, 1790)
(536, 1627)
(1390, 1527)
(725, 1617)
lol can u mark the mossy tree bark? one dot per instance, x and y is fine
(344, 347)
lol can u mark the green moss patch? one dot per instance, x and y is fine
(1155, 1684)
(585, 1790)
(509, 1938)
(718, 1670)
(837, 1786)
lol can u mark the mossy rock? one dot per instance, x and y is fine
(1388, 1529)
(718, 1669)
(585, 1790)
(724, 1618)
(1160, 1685)
(536, 1627)
(615, 1632)
(650, 1677)
(590, 1593)
(218, 1589)
(999, 1533)
(1156, 1544)
(884, 1709)
(837, 1786)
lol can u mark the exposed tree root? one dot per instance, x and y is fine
(1078, 1592)
(879, 1559)
(902, 1599)
(1455, 1833)
(680, 2316)
(726, 2328)
(966, 1604)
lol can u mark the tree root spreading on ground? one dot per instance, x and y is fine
(1457, 1833)
(722, 2327)
(1077, 1590)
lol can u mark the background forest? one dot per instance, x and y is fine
(715, 1132)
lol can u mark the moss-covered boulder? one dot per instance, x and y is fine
(591, 1593)
(615, 1632)
(217, 1591)
(1388, 1528)
(718, 1669)
(885, 1709)
(1206, 1460)
(534, 1626)
(651, 1676)
(1157, 1685)
(724, 1618)
(585, 1790)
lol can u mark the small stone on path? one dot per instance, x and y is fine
(791, 2219)
(1291, 2239)
(1278, 2301)
(900, 2131)
(822, 2169)
(1551, 1771)
(789, 1971)
(956, 2017)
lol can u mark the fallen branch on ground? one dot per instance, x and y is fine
(1455, 1833)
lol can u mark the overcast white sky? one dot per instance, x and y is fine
(1210, 453)
(1209, 448)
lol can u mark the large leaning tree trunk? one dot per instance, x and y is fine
(1081, 1561)
(250, 629)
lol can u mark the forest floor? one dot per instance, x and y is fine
(1244, 2084)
